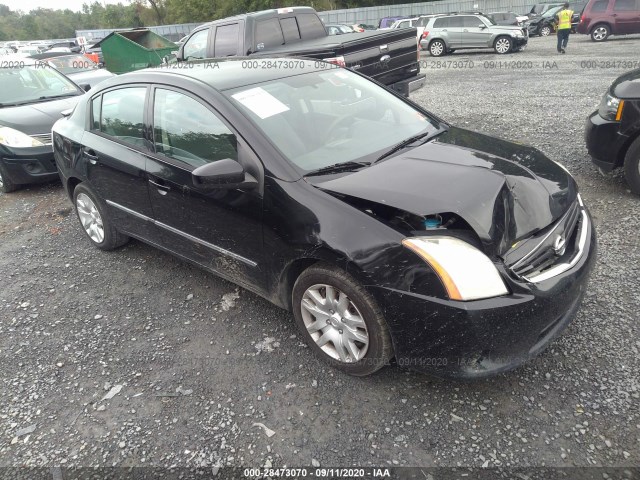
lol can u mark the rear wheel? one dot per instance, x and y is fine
(600, 33)
(545, 31)
(632, 166)
(437, 48)
(341, 321)
(503, 45)
(6, 185)
(94, 220)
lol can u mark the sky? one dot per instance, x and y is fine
(28, 5)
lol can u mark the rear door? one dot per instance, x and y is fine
(115, 153)
(218, 229)
(626, 16)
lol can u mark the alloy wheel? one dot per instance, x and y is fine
(599, 34)
(90, 218)
(545, 31)
(334, 323)
(1, 181)
(436, 49)
(503, 45)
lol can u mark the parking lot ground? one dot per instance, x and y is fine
(192, 362)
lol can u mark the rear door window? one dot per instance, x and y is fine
(226, 42)
(122, 114)
(268, 34)
(600, 6)
(624, 5)
(457, 22)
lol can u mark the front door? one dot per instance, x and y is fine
(219, 229)
(474, 32)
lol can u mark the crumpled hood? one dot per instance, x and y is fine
(36, 118)
(505, 191)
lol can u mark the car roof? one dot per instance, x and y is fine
(224, 74)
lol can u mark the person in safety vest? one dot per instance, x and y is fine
(564, 27)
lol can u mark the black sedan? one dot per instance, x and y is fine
(387, 232)
(32, 97)
(613, 131)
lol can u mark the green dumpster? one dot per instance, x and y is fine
(129, 50)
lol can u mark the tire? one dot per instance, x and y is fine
(600, 32)
(545, 31)
(503, 45)
(355, 312)
(437, 48)
(632, 166)
(6, 185)
(94, 220)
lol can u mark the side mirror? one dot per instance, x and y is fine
(171, 58)
(482, 26)
(85, 86)
(222, 174)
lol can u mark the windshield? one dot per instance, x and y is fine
(33, 83)
(326, 118)
(71, 63)
(551, 12)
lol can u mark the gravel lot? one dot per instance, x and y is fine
(194, 362)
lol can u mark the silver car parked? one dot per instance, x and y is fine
(447, 33)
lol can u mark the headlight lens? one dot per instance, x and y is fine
(516, 33)
(14, 138)
(465, 272)
(611, 107)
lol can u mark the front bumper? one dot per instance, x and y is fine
(30, 165)
(476, 339)
(520, 41)
(605, 143)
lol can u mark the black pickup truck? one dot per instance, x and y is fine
(390, 57)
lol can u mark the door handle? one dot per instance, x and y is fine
(91, 155)
(163, 189)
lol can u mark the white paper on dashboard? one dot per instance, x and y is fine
(261, 102)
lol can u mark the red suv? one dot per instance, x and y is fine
(602, 18)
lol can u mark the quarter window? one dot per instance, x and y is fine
(96, 106)
(186, 130)
(600, 6)
(196, 46)
(122, 114)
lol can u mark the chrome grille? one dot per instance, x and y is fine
(43, 137)
(553, 251)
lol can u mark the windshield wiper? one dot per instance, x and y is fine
(70, 94)
(402, 144)
(337, 168)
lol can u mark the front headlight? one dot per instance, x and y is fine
(14, 138)
(465, 272)
(611, 107)
(516, 33)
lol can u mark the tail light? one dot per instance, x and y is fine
(582, 19)
(425, 34)
(336, 61)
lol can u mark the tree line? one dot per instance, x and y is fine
(45, 23)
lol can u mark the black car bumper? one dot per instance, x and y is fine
(605, 143)
(520, 41)
(476, 339)
(405, 87)
(30, 165)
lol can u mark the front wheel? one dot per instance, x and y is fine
(340, 321)
(503, 45)
(437, 48)
(92, 214)
(600, 33)
(6, 185)
(632, 166)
